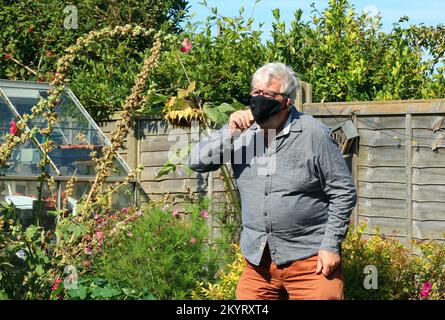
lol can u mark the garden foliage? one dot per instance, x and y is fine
(161, 253)
(400, 275)
(33, 35)
(165, 253)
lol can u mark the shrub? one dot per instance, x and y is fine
(401, 275)
(164, 253)
(225, 288)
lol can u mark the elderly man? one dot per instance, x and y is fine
(296, 191)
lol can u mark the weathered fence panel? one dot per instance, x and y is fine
(398, 164)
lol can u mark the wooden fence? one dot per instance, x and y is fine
(398, 164)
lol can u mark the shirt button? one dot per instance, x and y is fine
(265, 213)
(266, 193)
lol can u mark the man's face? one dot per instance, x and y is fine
(272, 90)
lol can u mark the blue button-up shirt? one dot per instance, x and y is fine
(297, 194)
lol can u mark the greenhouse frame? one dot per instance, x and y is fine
(75, 136)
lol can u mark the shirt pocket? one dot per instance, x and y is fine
(296, 171)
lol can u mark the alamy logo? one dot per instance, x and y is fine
(71, 20)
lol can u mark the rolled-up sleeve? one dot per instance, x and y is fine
(211, 151)
(339, 188)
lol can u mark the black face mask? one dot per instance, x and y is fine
(263, 108)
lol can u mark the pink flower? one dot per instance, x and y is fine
(125, 210)
(99, 235)
(426, 289)
(204, 214)
(13, 128)
(130, 234)
(175, 213)
(55, 285)
(424, 293)
(88, 251)
(192, 241)
(186, 46)
(427, 286)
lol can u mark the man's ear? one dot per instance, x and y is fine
(288, 102)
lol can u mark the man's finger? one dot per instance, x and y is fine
(319, 266)
(238, 123)
(247, 120)
(249, 112)
(327, 270)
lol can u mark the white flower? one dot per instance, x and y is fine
(21, 254)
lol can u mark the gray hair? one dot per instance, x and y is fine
(279, 71)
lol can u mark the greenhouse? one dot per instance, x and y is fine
(75, 136)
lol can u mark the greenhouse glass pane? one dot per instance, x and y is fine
(72, 154)
(23, 195)
(121, 198)
(25, 157)
(6, 116)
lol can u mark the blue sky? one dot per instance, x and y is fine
(430, 12)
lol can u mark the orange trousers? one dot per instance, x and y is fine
(296, 280)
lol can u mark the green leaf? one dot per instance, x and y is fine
(54, 212)
(148, 296)
(76, 230)
(276, 14)
(225, 107)
(80, 292)
(214, 114)
(156, 98)
(166, 168)
(104, 292)
(30, 232)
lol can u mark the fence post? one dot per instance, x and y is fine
(304, 95)
(354, 168)
(409, 182)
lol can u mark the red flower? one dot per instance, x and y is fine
(186, 46)
(13, 128)
(192, 241)
(55, 285)
(31, 29)
(6, 57)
